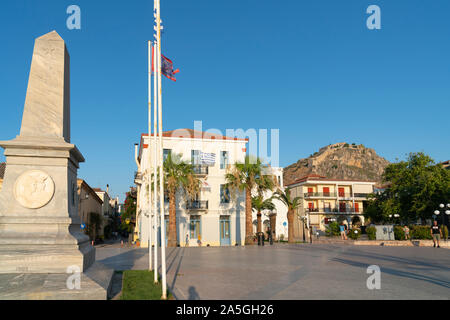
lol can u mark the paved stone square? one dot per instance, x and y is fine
(300, 271)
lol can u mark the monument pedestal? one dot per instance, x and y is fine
(39, 223)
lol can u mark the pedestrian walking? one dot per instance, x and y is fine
(436, 233)
(406, 230)
(342, 230)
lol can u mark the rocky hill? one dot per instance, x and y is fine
(339, 161)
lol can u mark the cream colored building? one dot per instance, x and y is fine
(325, 200)
(89, 202)
(213, 217)
(2, 173)
(107, 209)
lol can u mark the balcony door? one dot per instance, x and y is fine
(166, 226)
(195, 229)
(225, 236)
(341, 192)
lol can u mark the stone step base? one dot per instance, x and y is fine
(95, 284)
(44, 259)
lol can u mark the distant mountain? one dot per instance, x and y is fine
(339, 161)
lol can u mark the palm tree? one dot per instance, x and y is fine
(264, 183)
(246, 177)
(291, 204)
(178, 174)
(259, 205)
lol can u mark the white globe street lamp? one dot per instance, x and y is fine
(447, 212)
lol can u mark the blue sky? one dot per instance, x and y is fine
(311, 69)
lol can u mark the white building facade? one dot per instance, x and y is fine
(276, 219)
(214, 217)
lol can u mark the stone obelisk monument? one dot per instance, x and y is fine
(39, 223)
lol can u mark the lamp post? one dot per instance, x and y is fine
(330, 221)
(303, 219)
(394, 216)
(447, 212)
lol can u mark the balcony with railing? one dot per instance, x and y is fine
(352, 196)
(335, 210)
(200, 170)
(320, 195)
(361, 195)
(344, 195)
(197, 205)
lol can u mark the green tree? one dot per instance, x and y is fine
(245, 177)
(415, 189)
(178, 175)
(95, 221)
(292, 204)
(259, 205)
(128, 217)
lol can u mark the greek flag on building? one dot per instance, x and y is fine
(208, 158)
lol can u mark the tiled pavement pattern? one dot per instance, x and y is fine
(300, 271)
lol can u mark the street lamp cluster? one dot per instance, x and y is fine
(447, 212)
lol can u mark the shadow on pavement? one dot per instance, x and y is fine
(394, 272)
(193, 295)
(123, 261)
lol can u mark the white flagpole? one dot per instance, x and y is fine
(149, 169)
(155, 164)
(161, 179)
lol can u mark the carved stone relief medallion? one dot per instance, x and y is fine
(34, 189)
